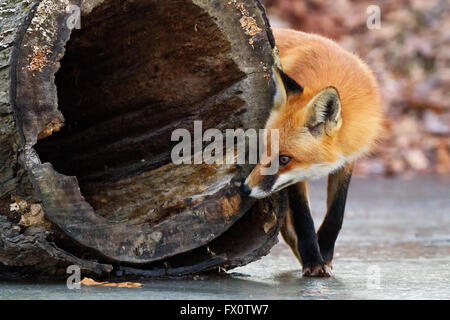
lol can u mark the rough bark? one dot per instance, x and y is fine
(86, 118)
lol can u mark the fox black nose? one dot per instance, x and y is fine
(245, 188)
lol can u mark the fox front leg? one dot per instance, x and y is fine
(299, 232)
(338, 183)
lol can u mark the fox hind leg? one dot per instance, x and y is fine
(338, 183)
(289, 235)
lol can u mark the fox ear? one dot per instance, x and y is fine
(285, 86)
(324, 112)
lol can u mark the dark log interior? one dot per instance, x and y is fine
(125, 84)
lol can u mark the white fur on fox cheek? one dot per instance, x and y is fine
(315, 171)
(258, 193)
(285, 179)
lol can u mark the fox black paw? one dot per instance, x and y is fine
(319, 271)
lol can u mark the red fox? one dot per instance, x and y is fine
(328, 112)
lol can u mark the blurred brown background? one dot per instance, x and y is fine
(410, 55)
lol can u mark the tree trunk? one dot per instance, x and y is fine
(86, 118)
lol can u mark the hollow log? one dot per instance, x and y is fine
(86, 117)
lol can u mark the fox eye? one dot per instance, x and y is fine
(284, 160)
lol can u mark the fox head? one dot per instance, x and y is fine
(307, 123)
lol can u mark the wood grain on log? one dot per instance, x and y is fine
(86, 118)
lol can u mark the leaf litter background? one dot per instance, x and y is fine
(410, 55)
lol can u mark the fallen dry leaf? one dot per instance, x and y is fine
(92, 283)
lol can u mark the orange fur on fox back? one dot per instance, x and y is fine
(316, 62)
